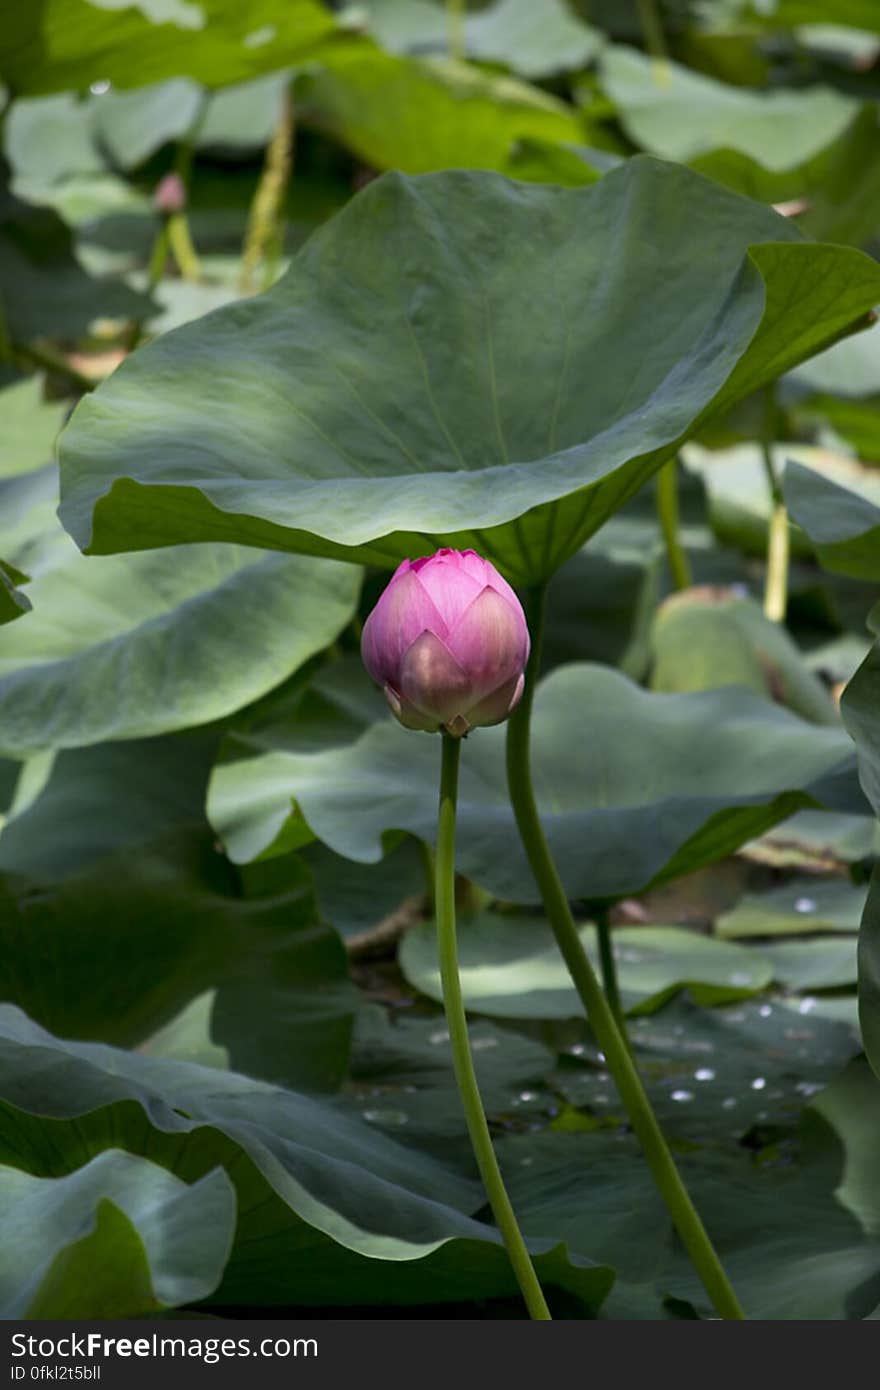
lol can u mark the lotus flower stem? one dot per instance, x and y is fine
(599, 1012)
(609, 968)
(455, 28)
(465, 1075)
(667, 511)
(776, 579)
(263, 237)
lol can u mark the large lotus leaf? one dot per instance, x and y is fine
(423, 114)
(43, 288)
(180, 637)
(30, 424)
(633, 786)
(869, 973)
(827, 962)
(13, 603)
(112, 861)
(535, 42)
(841, 386)
(117, 1238)
(703, 638)
(860, 707)
(781, 1219)
(61, 44)
(766, 140)
(323, 1196)
(842, 524)
(511, 966)
(282, 425)
(803, 905)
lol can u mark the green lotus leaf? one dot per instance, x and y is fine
(30, 424)
(180, 637)
(859, 706)
(13, 604)
(281, 423)
(842, 523)
(44, 290)
(330, 1210)
(511, 966)
(112, 861)
(117, 1238)
(766, 144)
(633, 786)
(420, 114)
(62, 44)
(533, 42)
(803, 905)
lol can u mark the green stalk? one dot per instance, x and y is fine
(608, 1035)
(481, 1141)
(609, 967)
(776, 578)
(263, 238)
(667, 511)
(652, 33)
(455, 45)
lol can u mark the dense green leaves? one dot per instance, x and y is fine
(634, 786)
(294, 432)
(325, 1200)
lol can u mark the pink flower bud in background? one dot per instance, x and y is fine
(448, 643)
(169, 195)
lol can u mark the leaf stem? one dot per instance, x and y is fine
(668, 513)
(456, 1022)
(455, 44)
(609, 968)
(776, 578)
(608, 1035)
(263, 226)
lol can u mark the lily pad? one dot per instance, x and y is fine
(634, 787)
(805, 905)
(511, 966)
(117, 1238)
(292, 431)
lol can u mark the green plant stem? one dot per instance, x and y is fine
(652, 29)
(667, 511)
(608, 1035)
(455, 10)
(465, 1075)
(263, 237)
(609, 968)
(776, 578)
(41, 356)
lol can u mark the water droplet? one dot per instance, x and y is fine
(440, 1036)
(740, 978)
(482, 1044)
(258, 37)
(600, 1056)
(704, 1074)
(526, 1162)
(527, 1096)
(759, 1083)
(805, 904)
(807, 1005)
(98, 88)
(682, 1096)
(385, 1117)
(600, 1099)
(728, 1103)
(765, 1010)
(762, 1115)
(808, 1088)
(577, 1050)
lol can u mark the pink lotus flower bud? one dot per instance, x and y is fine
(169, 195)
(448, 643)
